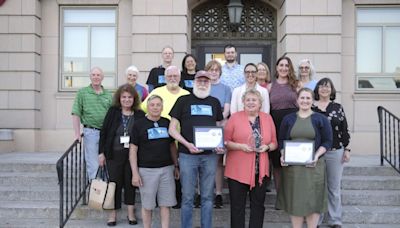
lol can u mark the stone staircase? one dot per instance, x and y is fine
(29, 197)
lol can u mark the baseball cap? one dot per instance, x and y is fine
(202, 73)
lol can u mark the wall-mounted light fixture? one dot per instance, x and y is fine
(235, 8)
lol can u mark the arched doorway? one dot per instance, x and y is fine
(255, 36)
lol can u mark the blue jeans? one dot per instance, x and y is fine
(91, 147)
(190, 167)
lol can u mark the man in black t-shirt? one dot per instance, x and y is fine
(156, 76)
(197, 109)
(153, 160)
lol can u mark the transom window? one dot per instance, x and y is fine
(88, 39)
(378, 48)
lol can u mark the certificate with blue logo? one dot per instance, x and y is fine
(157, 133)
(201, 110)
(208, 137)
(298, 152)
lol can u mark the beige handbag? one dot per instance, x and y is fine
(102, 191)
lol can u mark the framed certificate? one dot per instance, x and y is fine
(298, 152)
(208, 137)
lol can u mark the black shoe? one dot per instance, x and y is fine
(131, 222)
(114, 223)
(177, 206)
(197, 201)
(336, 226)
(218, 202)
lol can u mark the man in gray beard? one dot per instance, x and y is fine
(197, 109)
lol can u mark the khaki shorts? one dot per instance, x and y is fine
(158, 184)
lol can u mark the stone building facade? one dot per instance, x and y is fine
(350, 41)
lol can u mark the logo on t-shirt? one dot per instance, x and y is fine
(201, 110)
(188, 83)
(161, 79)
(157, 133)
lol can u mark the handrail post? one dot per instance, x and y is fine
(70, 173)
(380, 132)
(388, 138)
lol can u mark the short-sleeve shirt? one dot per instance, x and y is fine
(156, 77)
(233, 76)
(91, 107)
(222, 93)
(187, 81)
(153, 142)
(169, 99)
(192, 111)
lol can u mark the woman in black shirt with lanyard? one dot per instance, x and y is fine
(114, 147)
(325, 95)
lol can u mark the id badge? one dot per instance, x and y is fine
(124, 139)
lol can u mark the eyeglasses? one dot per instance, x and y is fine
(250, 72)
(304, 68)
(262, 70)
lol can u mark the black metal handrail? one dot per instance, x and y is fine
(71, 171)
(389, 125)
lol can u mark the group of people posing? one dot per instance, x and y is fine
(146, 140)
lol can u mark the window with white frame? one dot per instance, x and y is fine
(88, 39)
(378, 49)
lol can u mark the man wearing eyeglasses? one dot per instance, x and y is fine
(197, 109)
(156, 76)
(170, 92)
(232, 72)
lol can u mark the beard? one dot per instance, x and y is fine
(201, 93)
(172, 85)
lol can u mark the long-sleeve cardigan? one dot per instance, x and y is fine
(111, 123)
(321, 125)
(240, 165)
(236, 101)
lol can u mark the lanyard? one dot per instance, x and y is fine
(125, 121)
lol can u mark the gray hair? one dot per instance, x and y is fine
(131, 68)
(170, 68)
(312, 69)
(253, 92)
(154, 96)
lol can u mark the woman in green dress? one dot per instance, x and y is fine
(303, 191)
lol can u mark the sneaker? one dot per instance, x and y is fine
(218, 202)
(197, 201)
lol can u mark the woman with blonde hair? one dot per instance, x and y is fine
(263, 75)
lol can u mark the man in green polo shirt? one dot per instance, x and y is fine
(90, 106)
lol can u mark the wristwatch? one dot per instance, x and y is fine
(348, 149)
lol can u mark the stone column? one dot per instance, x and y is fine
(20, 57)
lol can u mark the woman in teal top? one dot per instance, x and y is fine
(303, 188)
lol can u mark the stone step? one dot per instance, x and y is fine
(377, 170)
(28, 167)
(351, 214)
(371, 182)
(85, 223)
(49, 209)
(11, 193)
(28, 179)
(371, 197)
(40, 223)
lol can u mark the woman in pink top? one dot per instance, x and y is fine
(249, 135)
